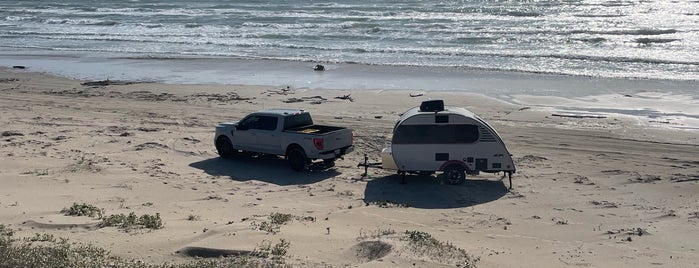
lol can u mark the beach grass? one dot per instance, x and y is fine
(83, 210)
(45, 250)
(132, 221)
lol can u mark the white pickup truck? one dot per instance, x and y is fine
(287, 132)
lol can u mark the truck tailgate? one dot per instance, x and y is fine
(336, 139)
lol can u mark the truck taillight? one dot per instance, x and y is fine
(352, 137)
(318, 142)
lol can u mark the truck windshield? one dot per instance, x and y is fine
(297, 121)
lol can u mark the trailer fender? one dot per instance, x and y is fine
(455, 162)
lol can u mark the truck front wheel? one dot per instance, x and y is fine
(297, 159)
(224, 147)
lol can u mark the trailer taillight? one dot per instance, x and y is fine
(318, 142)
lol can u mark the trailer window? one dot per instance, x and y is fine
(435, 134)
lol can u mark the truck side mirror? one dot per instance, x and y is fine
(241, 127)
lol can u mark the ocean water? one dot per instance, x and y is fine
(637, 58)
(651, 39)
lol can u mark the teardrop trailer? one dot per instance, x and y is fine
(451, 140)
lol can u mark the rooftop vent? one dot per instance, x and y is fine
(432, 106)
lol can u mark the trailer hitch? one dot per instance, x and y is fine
(368, 165)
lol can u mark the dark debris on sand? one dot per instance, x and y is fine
(102, 83)
(151, 96)
(312, 99)
(345, 97)
(7, 80)
(9, 133)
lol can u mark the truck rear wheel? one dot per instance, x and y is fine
(297, 159)
(454, 175)
(329, 162)
(224, 147)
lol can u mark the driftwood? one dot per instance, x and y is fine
(345, 97)
(598, 116)
(9, 133)
(283, 91)
(313, 99)
(684, 178)
(292, 100)
(415, 95)
(230, 96)
(107, 82)
(520, 109)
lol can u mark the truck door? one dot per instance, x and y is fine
(243, 137)
(257, 133)
(267, 136)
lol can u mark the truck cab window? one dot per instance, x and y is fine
(267, 123)
(248, 122)
(297, 121)
(259, 122)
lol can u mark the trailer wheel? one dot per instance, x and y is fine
(454, 175)
(297, 159)
(224, 147)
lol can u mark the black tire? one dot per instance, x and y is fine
(224, 147)
(454, 175)
(329, 162)
(297, 159)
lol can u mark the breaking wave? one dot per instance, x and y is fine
(568, 36)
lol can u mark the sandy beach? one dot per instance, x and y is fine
(588, 192)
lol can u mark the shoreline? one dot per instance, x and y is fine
(582, 184)
(581, 113)
(114, 62)
(654, 103)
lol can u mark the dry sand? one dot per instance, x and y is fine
(589, 192)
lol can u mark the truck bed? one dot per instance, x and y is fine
(314, 129)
